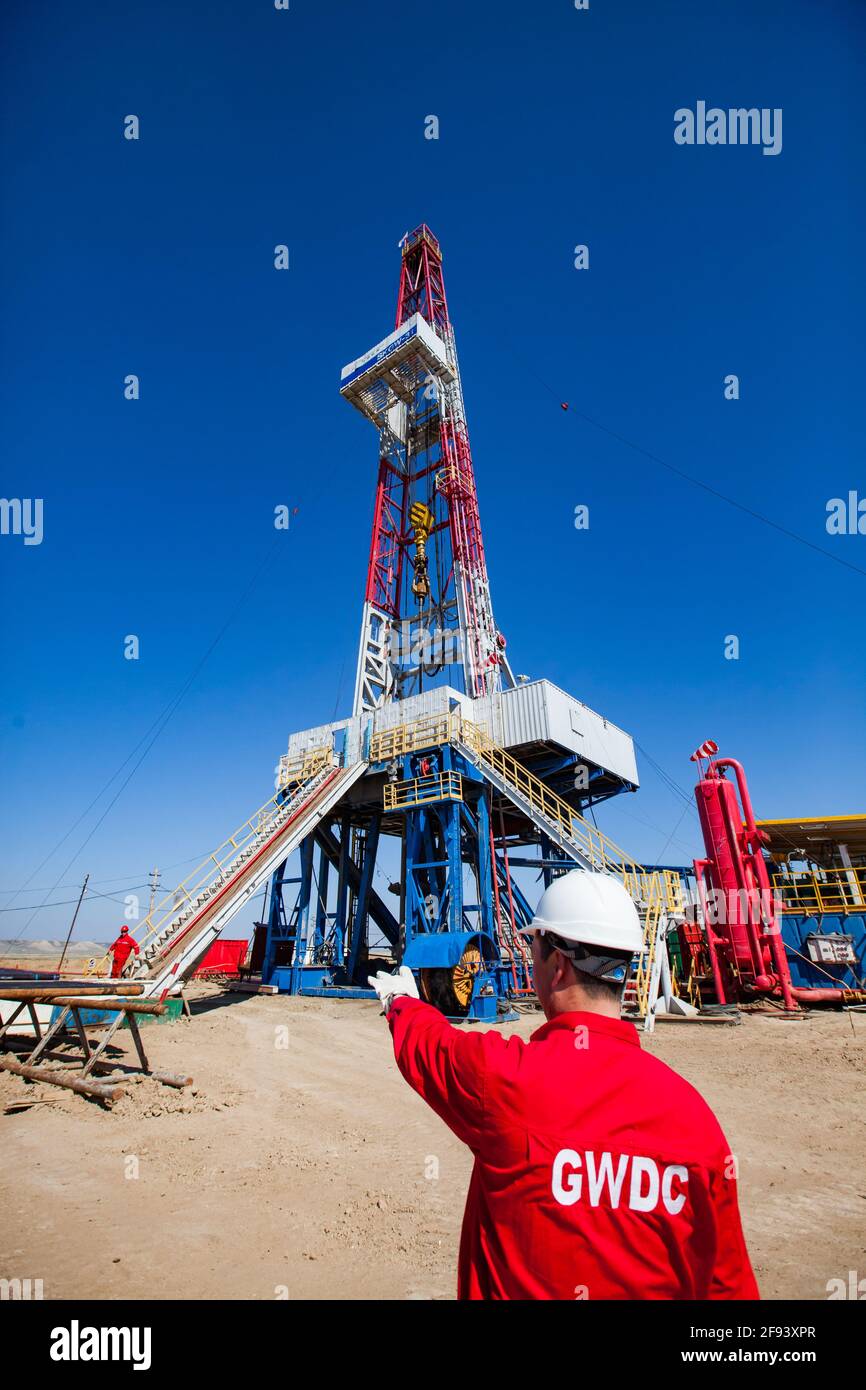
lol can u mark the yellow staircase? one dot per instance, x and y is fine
(656, 893)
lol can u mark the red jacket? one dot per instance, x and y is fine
(123, 948)
(599, 1172)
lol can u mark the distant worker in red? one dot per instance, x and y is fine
(599, 1172)
(121, 950)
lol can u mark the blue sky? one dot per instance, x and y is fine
(306, 127)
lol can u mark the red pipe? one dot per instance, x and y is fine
(817, 995)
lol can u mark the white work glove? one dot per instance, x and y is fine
(391, 987)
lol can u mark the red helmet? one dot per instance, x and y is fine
(124, 930)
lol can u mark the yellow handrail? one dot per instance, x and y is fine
(655, 891)
(603, 853)
(304, 765)
(655, 906)
(430, 731)
(824, 890)
(599, 849)
(443, 786)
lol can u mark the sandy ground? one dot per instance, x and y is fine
(300, 1164)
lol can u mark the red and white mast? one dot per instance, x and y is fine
(428, 616)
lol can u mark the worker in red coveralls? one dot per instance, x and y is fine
(121, 950)
(599, 1172)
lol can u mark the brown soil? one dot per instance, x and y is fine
(299, 1163)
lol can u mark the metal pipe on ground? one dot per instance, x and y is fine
(98, 1090)
(133, 1006)
(47, 993)
(167, 1078)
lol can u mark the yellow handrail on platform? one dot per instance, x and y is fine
(821, 890)
(654, 890)
(304, 765)
(598, 848)
(442, 786)
(430, 731)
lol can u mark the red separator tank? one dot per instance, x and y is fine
(743, 934)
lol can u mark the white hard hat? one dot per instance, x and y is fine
(592, 909)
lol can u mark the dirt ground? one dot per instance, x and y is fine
(301, 1165)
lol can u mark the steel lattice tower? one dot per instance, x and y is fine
(428, 616)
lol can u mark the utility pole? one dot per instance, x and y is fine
(72, 923)
(154, 885)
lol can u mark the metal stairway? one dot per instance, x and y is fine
(642, 985)
(655, 893)
(516, 953)
(566, 828)
(176, 934)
